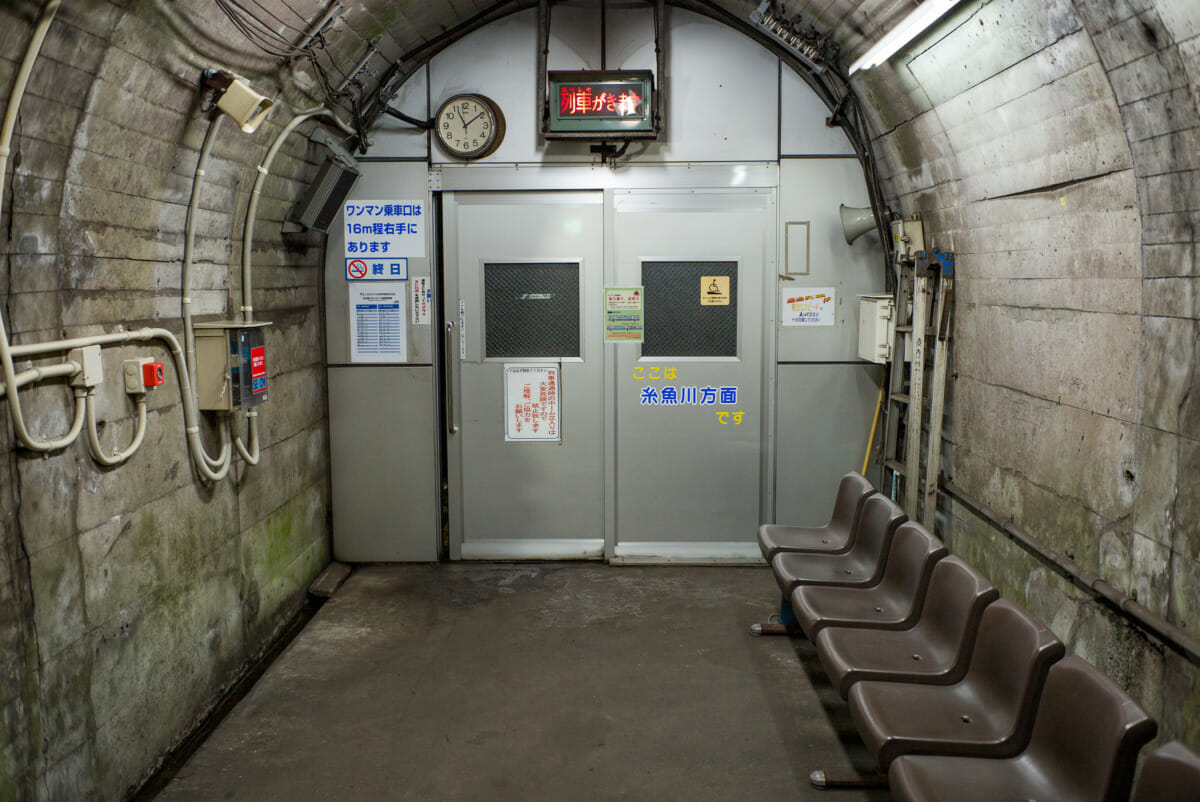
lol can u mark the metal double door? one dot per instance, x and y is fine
(563, 446)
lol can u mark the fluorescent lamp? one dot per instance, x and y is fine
(909, 28)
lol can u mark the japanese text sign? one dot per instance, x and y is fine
(380, 236)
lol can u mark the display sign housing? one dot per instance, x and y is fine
(596, 104)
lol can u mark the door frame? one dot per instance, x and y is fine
(460, 547)
(450, 178)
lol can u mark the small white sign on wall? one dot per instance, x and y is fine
(531, 397)
(808, 307)
(422, 300)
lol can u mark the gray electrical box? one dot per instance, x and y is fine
(231, 365)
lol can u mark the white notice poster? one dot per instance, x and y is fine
(378, 332)
(808, 307)
(531, 403)
(422, 298)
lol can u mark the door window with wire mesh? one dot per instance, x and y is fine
(531, 310)
(677, 321)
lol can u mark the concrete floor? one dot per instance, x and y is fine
(534, 681)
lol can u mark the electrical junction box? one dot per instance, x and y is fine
(876, 327)
(143, 374)
(231, 365)
(908, 237)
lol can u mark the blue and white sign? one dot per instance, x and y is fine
(380, 236)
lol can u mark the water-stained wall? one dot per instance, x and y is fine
(130, 597)
(1052, 145)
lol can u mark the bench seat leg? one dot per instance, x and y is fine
(786, 623)
(830, 780)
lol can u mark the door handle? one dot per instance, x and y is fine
(451, 426)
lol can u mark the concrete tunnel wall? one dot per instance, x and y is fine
(1052, 144)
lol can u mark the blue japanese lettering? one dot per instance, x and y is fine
(649, 396)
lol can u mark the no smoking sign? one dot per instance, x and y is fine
(371, 269)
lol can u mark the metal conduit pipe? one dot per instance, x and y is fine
(189, 240)
(191, 416)
(94, 437)
(252, 453)
(1100, 589)
(6, 135)
(37, 374)
(264, 169)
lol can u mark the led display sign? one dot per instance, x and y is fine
(584, 104)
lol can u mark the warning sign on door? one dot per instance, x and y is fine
(811, 307)
(531, 403)
(714, 290)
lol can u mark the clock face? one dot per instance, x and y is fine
(469, 126)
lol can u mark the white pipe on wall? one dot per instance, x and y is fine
(6, 134)
(189, 241)
(98, 454)
(252, 453)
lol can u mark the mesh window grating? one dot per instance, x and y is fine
(531, 310)
(676, 322)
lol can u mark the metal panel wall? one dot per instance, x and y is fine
(810, 190)
(383, 419)
(383, 452)
(824, 417)
(802, 129)
(723, 87)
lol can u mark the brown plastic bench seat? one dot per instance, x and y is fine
(1086, 736)
(1169, 772)
(934, 651)
(834, 537)
(861, 566)
(892, 604)
(988, 713)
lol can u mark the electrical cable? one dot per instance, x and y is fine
(276, 17)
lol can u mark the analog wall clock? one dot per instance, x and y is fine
(469, 126)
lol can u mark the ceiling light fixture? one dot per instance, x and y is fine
(909, 28)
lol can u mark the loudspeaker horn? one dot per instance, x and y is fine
(856, 222)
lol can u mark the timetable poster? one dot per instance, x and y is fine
(378, 330)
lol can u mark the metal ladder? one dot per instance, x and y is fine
(927, 284)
